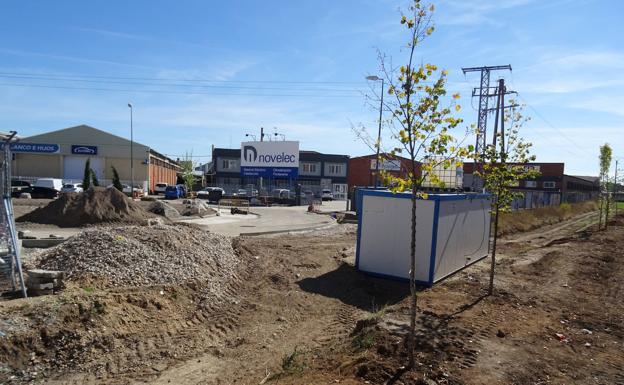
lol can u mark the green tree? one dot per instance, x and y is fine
(421, 128)
(86, 179)
(504, 166)
(605, 157)
(188, 166)
(94, 179)
(116, 181)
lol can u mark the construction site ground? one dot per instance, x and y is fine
(299, 313)
(260, 220)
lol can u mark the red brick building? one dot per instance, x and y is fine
(362, 169)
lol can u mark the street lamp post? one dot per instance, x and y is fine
(378, 144)
(131, 155)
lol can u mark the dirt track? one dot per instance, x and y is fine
(300, 293)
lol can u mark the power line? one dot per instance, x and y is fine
(560, 132)
(86, 80)
(177, 79)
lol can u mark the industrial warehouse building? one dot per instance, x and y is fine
(315, 171)
(63, 153)
(551, 188)
(363, 169)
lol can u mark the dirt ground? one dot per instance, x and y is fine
(299, 313)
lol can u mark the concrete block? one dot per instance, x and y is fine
(41, 286)
(42, 243)
(45, 274)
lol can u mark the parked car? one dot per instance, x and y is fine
(126, 189)
(327, 195)
(160, 188)
(174, 192)
(241, 192)
(19, 186)
(281, 193)
(38, 192)
(72, 187)
(184, 192)
(54, 183)
(211, 194)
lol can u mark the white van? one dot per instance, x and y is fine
(54, 183)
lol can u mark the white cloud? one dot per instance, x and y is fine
(610, 105)
(108, 33)
(75, 59)
(475, 12)
(559, 71)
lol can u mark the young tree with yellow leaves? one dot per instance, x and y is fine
(504, 166)
(421, 124)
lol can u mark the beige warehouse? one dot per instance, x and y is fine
(63, 153)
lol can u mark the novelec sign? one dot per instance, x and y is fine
(270, 159)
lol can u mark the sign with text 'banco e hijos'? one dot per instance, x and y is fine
(270, 159)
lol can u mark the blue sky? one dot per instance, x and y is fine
(201, 73)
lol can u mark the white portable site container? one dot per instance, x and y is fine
(452, 232)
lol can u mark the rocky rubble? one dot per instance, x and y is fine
(164, 209)
(141, 255)
(196, 207)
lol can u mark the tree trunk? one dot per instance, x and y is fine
(600, 212)
(411, 343)
(607, 210)
(493, 266)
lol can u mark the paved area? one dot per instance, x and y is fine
(270, 219)
(260, 220)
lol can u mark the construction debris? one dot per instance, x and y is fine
(138, 255)
(96, 205)
(41, 282)
(196, 207)
(164, 209)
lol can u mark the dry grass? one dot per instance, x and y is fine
(526, 220)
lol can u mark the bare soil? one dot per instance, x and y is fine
(299, 313)
(94, 206)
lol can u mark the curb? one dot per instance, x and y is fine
(303, 230)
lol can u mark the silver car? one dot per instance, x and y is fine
(72, 188)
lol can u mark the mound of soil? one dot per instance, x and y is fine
(145, 255)
(96, 205)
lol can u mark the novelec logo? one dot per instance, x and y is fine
(250, 153)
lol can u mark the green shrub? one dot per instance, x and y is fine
(86, 179)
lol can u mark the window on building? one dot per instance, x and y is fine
(549, 184)
(335, 169)
(530, 184)
(309, 167)
(228, 164)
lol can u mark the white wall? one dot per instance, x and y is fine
(463, 235)
(385, 236)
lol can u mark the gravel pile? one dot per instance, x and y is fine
(141, 255)
(96, 205)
